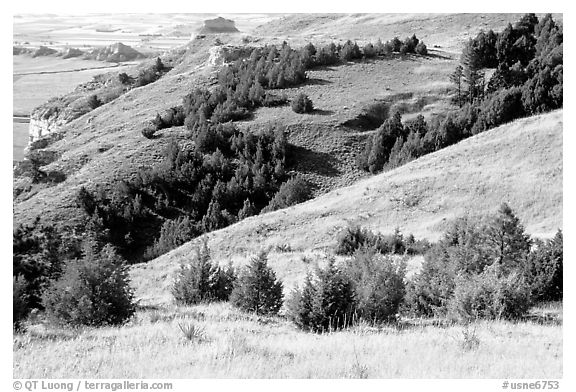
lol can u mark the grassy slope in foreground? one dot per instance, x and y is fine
(240, 345)
(520, 163)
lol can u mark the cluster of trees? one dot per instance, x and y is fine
(484, 267)
(527, 81)
(395, 143)
(368, 287)
(74, 281)
(332, 53)
(244, 84)
(254, 289)
(355, 237)
(225, 176)
(527, 55)
(487, 268)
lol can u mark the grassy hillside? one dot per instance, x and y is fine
(106, 144)
(520, 163)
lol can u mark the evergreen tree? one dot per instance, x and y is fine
(509, 243)
(257, 289)
(333, 303)
(299, 306)
(247, 210)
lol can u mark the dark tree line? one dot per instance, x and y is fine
(226, 175)
(528, 80)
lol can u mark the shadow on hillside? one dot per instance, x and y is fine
(322, 112)
(308, 161)
(543, 319)
(323, 68)
(317, 82)
(438, 56)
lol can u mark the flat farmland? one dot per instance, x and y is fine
(36, 80)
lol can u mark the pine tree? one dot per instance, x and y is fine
(299, 306)
(257, 289)
(213, 219)
(247, 210)
(471, 71)
(333, 303)
(94, 101)
(509, 243)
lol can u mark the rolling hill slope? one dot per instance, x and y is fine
(519, 163)
(106, 144)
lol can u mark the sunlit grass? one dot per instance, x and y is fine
(235, 344)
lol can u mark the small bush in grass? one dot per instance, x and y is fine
(544, 269)
(94, 102)
(20, 305)
(94, 290)
(378, 284)
(302, 104)
(192, 332)
(273, 100)
(295, 190)
(490, 295)
(125, 79)
(257, 289)
(428, 292)
(352, 238)
(325, 303)
(421, 49)
(356, 237)
(149, 131)
(299, 304)
(202, 281)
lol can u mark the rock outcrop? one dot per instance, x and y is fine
(115, 53)
(218, 25)
(71, 52)
(44, 51)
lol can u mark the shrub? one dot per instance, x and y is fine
(544, 270)
(374, 115)
(299, 305)
(421, 49)
(37, 256)
(202, 281)
(378, 283)
(172, 234)
(490, 295)
(94, 290)
(149, 131)
(20, 304)
(369, 51)
(273, 100)
(124, 78)
(295, 190)
(428, 292)
(355, 237)
(257, 289)
(94, 102)
(333, 301)
(302, 104)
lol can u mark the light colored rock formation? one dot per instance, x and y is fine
(218, 25)
(116, 53)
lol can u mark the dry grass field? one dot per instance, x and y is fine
(232, 344)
